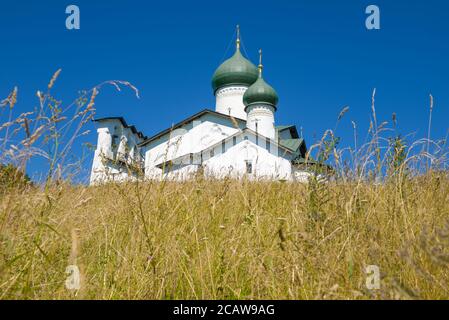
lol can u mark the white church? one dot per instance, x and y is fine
(240, 138)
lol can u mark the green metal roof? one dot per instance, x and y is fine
(260, 92)
(295, 143)
(282, 128)
(292, 144)
(237, 70)
(291, 128)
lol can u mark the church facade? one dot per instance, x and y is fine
(240, 138)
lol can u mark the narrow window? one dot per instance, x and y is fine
(114, 141)
(223, 146)
(234, 141)
(268, 144)
(191, 158)
(249, 167)
(212, 153)
(246, 138)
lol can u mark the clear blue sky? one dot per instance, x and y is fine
(318, 55)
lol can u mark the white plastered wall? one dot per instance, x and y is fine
(265, 164)
(229, 101)
(104, 167)
(193, 138)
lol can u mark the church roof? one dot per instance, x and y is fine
(294, 143)
(260, 91)
(291, 128)
(282, 128)
(188, 120)
(298, 146)
(124, 124)
(229, 138)
(237, 70)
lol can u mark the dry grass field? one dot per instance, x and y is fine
(228, 239)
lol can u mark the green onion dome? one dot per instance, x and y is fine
(237, 70)
(260, 92)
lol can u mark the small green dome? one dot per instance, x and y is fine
(260, 92)
(237, 70)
